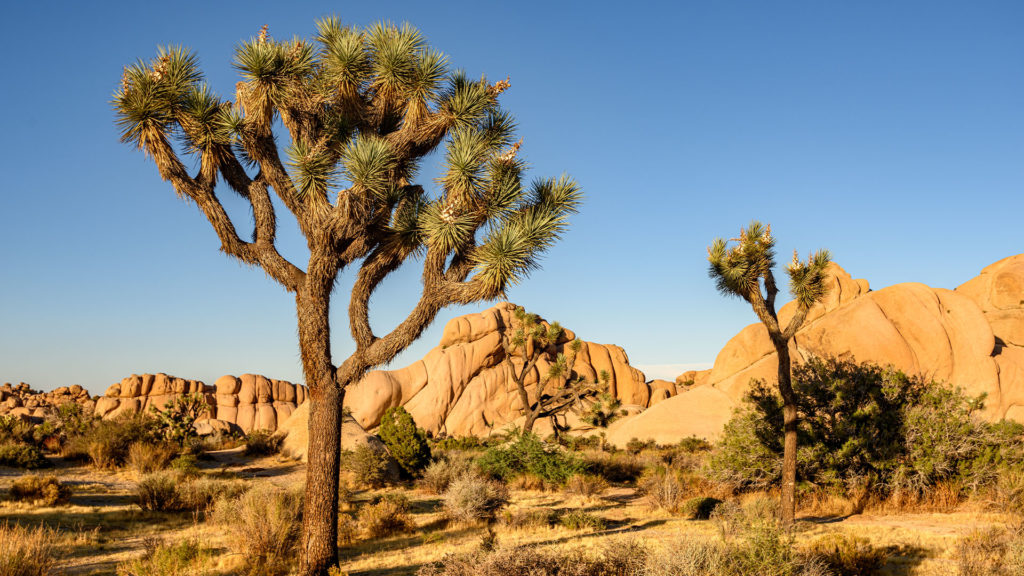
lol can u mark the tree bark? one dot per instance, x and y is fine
(789, 417)
(320, 510)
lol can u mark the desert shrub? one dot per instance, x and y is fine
(699, 507)
(107, 442)
(174, 422)
(616, 467)
(386, 517)
(526, 454)
(693, 444)
(662, 488)
(618, 558)
(263, 443)
(990, 552)
(172, 491)
(580, 443)
(201, 493)
(586, 486)
(867, 427)
(145, 457)
(636, 446)
(459, 443)
(27, 551)
(186, 464)
(40, 490)
(471, 498)
(72, 419)
(440, 473)
(406, 443)
(158, 492)
(366, 466)
(581, 520)
(847, 555)
(348, 530)
(14, 430)
(183, 558)
(18, 455)
(263, 527)
(530, 518)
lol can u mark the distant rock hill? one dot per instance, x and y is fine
(464, 387)
(971, 337)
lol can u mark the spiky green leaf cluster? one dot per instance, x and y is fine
(807, 281)
(738, 269)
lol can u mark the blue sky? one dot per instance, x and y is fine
(890, 133)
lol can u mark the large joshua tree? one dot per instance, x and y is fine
(360, 110)
(744, 269)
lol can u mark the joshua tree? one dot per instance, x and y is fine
(360, 109)
(744, 270)
(558, 389)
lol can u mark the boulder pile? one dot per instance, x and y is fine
(247, 402)
(22, 401)
(464, 387)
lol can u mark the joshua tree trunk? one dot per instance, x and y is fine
(789, 439)
(320, 508)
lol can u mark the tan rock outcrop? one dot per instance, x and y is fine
(250, 401)
(463, 386)
(700, 411)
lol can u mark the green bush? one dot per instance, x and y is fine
(406, 443)
(263, 443)
(187, 465)
(526, 454)
(459, 443)
(40, 490)
(700, 507)
(17, 455)
(864, 425)
(183, 558)
(636, 446)
(471, 498)
(581, 520)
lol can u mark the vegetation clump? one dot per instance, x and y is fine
(263, 443)
(528, 455)
(406, 443)
(182, 558)
(865, 430)
(41, 490)
(263, 528)
(386, 517)
(367, 466)
(471, 498)
(27, 551)
(18, 455)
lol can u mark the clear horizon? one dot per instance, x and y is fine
(891, 135)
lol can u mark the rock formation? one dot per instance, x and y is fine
(463, 386)
(250, 402)
(24, 402)
(970, 338)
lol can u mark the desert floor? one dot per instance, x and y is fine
(102, 526)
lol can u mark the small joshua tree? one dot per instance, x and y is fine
(175, 420)
(336, 129)
(559, 389)
(745, 270)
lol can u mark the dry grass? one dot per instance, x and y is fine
(27, 551)
(147, 457)
(262, 526)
